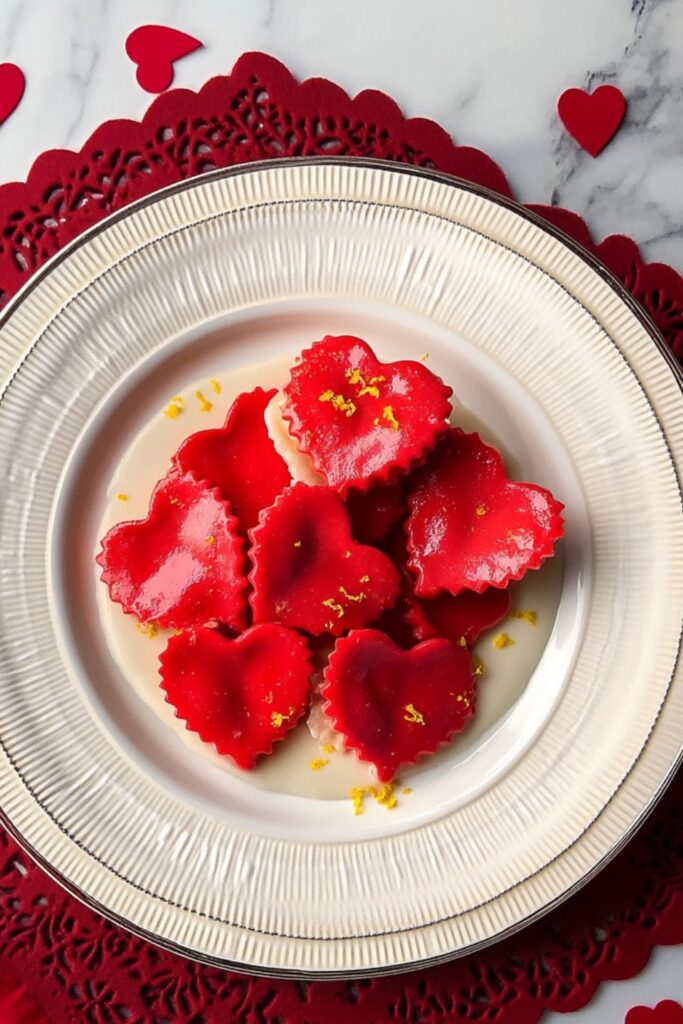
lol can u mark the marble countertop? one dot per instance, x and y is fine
(490, 72)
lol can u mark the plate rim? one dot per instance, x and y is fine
(445, 179)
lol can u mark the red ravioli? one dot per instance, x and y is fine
(183, 565)
(469, 526)
(392, 706)
(309, 573)
(374, 512)
(239, 458)
(241, 695)
(360, 420)
(466, 616)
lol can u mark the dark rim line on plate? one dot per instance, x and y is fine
(648, 325)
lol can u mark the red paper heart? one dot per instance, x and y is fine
(592, 118)
(181, 566)
(239, 458)
(308, 571)
(469, 526)
(360, 420)
(12, 85)
(374, 512)
(666, 1012)
(241, 695)
(154, 48)
(393, 706)
(464, 617)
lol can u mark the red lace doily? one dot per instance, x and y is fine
(77, 965)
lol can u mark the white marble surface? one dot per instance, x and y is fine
(490, 71)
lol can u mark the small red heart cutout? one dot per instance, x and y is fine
(592, 119)
(183, 565)
(308, 571)
(154, 48)
(469, 526)
(363, 422)
(12, 85)
(239, 458)
(392, 706)
(241, 695)
(666, 1012)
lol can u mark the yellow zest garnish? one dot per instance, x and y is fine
(297, 543)
(354, 377)
(175, 501)
(364, 579)
(277, 719)
(502, 640)
(377, 380)
(477, 665)
(357, 794)
(357, 598)
(215, 386)
(384, 795)
(327, 748)
(173, 410)
(413, 715)
(407, 791)
(462, 640)
(388, 415)
(210, 539)
(177, 632)
(148, 629)
(317, 763)
(338, 401)
(480, 510)
(369, 389)
(424, 357)
(347, 554)
(122, 497)
(334, 606)
(204, 404)
(527, 614)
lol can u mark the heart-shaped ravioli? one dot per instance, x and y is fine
(240, 695)
(393, 706)
(239, 458)
(469, 526)
(183, 565)
(360, 420)
(308, 571)
(462, 619)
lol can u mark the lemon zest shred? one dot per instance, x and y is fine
(480, 510)
(334, 606)
(357, 598)
(277, 719)
(210, 539)
(413, 715)
(122, 497)
(407, 791)
(297, 543)
(502, 640)
(357, 794)
(204, 404)
(215, 386)
(318, 763)
(527, 614)
(148, 629)
(327, 748)
(173, 410)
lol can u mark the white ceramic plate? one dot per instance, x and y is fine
(250, 264)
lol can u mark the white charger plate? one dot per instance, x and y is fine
(251, 263)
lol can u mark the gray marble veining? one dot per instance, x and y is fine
(489, 72)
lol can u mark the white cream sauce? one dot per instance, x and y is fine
(288, 770)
